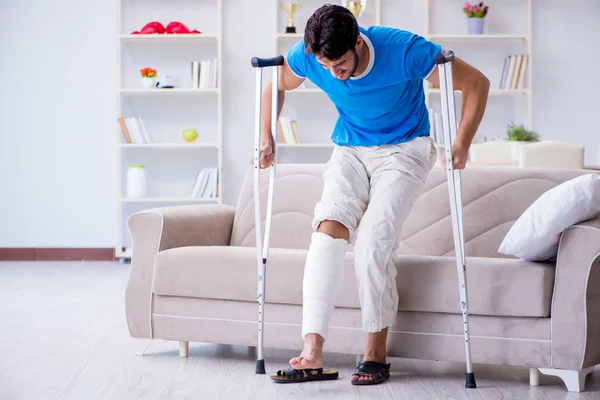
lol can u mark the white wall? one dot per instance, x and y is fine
(57, 157)
(58, 69)
(567, 56)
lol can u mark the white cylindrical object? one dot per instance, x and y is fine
(136, 181)
(183, 348)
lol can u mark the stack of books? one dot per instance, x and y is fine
(207, 184)
(513, 72)
(134, 130)
(204, 74)
(288, 130)
(436, 128)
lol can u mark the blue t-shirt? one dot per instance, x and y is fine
(386, 104)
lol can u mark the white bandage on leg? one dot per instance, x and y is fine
(322, 282)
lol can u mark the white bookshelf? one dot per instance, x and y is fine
(496, 45)
(172, 165)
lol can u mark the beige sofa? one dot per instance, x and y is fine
(194, 276)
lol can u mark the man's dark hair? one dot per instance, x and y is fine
(330, 32)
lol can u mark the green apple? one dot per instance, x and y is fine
(189, 135)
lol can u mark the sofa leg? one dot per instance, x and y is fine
(183, 348)
(574, 380)
(534, 377)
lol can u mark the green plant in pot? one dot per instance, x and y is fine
(518, 135)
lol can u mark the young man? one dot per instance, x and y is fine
(381, 159)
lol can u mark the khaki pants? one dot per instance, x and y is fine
(369, 190)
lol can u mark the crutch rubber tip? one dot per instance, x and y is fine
(470, 384)
(260, 366)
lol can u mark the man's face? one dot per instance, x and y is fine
(344, 67)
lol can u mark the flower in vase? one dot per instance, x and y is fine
(148, 77)
(476, 10)
(148, 72)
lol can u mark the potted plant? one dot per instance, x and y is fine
(475, 16)
(148, 77)
(518, 135)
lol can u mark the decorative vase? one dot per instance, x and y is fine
(475, 26)
(136, 182)
(148, 83)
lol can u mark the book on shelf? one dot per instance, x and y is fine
(287, 130)
(133, 130)
(204, 74)
(206, 184)
(513, 72)
(436, 128)
(435, 123)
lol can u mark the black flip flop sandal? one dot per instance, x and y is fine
(379, 371)
(292, 375)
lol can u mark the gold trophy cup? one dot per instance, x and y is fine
(291, 9)
(355, 7)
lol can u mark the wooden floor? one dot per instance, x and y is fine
(63, 336)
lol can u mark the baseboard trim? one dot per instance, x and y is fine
(57, 254)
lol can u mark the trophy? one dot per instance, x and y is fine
(355, 7)
(291, 9)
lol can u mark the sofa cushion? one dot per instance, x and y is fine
(496, 286)
(493, 199)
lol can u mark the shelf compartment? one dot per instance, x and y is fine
(167, 145)
(296, 36)
(492, 92)
(168, 92)
(477, 37)
(306, 91)
(199, 200)
(191, 37)
(303, 145)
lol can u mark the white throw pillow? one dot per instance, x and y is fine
(535, 235)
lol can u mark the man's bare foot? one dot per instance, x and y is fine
(312, 355)
(375, 351)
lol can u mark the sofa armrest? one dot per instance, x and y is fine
(163, 228)
(193, 225)
(576, 299)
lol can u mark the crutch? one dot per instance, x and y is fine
(444, 62)
(262, 250)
